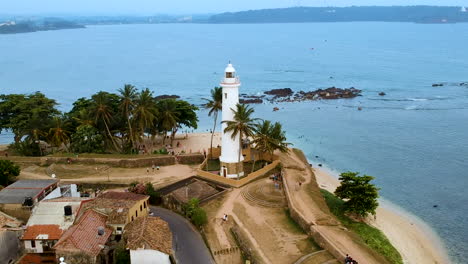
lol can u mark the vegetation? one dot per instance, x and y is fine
(268, 138)
(8, 172)
(371, 236)
(242, 126)
(214, 105)
(361, 195)
(104, 123)
(121, 254)
(194, 212)
(146, 189)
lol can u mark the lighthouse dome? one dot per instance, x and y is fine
(230, 68)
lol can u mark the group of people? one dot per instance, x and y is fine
(350, 260)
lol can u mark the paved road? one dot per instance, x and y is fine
(189, 246)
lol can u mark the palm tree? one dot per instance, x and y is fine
(214, 105)
(58, 133)
(269, 138)
(127, 102)
(144, 112)
(103, 112)
(242, 126)
(168, 115)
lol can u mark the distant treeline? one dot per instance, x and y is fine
(416, 14)
(33, 26)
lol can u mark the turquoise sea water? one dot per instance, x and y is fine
(414, 139)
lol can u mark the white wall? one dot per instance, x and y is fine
(148, 256)
(37, 249)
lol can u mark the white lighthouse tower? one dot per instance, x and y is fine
(230, 147)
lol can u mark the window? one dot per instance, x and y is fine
(141, 208)
(33, 243)
(132, 218)
(119, 229)
(225, 95)
(144, 204)
(136, 213)
(229, 75)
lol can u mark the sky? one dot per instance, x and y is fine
(84, 7)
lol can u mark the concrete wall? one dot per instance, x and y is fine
(238, 183)
(17, 211)
(125, 163)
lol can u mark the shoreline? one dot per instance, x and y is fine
(411, 236)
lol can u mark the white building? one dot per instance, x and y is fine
(230, 147)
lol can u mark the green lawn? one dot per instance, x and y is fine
(371, 236)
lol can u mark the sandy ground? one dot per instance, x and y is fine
(275, 240)
(195, 142)
(86, 173)
(412, 238)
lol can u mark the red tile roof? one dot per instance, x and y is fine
(83, 237)
(52, 231)
(123, 196)
(149, 233)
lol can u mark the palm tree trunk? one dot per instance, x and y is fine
(130, 130)
(110, 135)
(253, 154)
(212, 134)
(240, 151)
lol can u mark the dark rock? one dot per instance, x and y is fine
(275, 109)
(280, 92)
(251, 101)
(320, 164)
(166, 96)
(382, 93)
(435, 206)
(437, 84)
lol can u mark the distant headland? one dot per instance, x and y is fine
(13, 27)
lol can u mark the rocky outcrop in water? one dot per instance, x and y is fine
(166, 96)
(288, 95)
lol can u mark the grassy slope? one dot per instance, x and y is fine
(371, 236)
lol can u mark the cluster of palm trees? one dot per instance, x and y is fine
(120, 120)
(264, 136)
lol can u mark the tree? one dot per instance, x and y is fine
(8, 172)
(26, 114)
(187, 117)
(103, 111)
(214, 105)
(58, 133)
(127, 103)
(168, 115)
(145, 112)
(361, 195)
(268, 138)
(87, 139)
(242, 126)
(194, 212)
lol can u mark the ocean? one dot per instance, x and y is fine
(414, 140)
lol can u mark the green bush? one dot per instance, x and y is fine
(155, 196)
(194, 212)
(8, 172)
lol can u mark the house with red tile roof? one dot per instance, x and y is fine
(86, 241)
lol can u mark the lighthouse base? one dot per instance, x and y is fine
(232, 170)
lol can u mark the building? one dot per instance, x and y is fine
(86, 241)
(149, 240)
(66, 190)
(49, 220)
(230, 148)
(120, 208)
(17, 198)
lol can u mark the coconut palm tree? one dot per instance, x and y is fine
(268, 138)
(127, 102)
(102, 111)
(168, 115)
(242, 126)
(58, 133)
(214, 105)
(145, 112)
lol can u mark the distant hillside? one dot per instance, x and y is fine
(416, 14)
(11, 27)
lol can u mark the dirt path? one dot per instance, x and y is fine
(312, 208)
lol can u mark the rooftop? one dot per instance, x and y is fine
(149, 233)
(123, 196)
(42, 232)
(52, 212)
(18, 191)
(83, 237)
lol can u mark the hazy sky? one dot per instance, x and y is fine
(184, 6)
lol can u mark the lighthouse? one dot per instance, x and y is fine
(230, 147)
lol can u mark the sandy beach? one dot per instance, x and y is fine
(415, 241)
